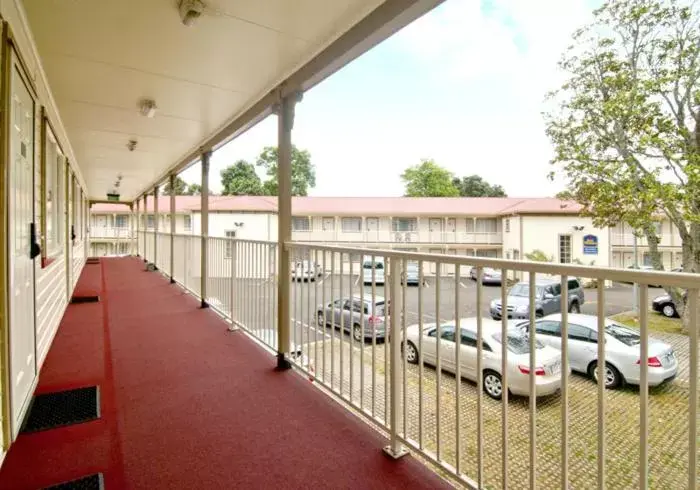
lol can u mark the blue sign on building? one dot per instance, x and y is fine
(590, 245)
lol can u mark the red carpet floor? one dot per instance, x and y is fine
(186, 404)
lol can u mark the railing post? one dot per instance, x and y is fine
(145, 227)
(395, 449)
(155, 228)
(172, 228)
(232, 289)
(285, 122)
(138, 226)
(206, 155)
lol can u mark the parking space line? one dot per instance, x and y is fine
(324, 278)
(299, 322)
(462, 284)
(357, 280)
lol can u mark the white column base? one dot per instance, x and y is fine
(389, 451)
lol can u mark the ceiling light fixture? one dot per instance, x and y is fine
(190, 10)
(148, 107)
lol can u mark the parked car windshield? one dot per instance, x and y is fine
(518, 342)
(523, 289)
(623, 334)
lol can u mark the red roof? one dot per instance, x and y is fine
(364, 206)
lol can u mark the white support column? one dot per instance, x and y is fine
(145, 226)
(172, 228)
(131, 228)
(155, 227)
(138, 226)
(285, 122)
(206, 155)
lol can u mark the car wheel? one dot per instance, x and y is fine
(613, 378)
(319, 320)
(495, 317)
(669, 310)
(411, 353)
(575, 307)
(539, 314)
(493, 386)
(357, 333)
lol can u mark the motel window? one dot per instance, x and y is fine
(486, 225)
(565, 249)
(54, 220)
(351, 225)
(229, 243)
(301, 223)
(404, 224)
(121, 221)
(188, 222)
(150, 222)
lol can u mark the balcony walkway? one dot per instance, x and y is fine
(186, 404)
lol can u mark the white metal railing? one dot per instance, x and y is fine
(627, 240)
(386, 236)
(580, 436)
(110, 232)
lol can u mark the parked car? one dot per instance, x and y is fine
(622, 349)
(410, 276)
(547, 299)
(547, 367)
(352, 311)
(488, 275)
(376, 265)
(304, 270)
(665, 305)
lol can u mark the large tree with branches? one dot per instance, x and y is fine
(626, 122)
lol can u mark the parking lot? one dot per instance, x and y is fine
(360, 368)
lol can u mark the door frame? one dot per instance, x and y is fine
(10, 57)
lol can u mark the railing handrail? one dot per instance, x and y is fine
(675, 279)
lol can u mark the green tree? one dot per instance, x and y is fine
(428, 179)
(626, 122)
(240, 179)
(476, 186)
(303, 171)
(538, 255)
(193, 190)
(180, 187)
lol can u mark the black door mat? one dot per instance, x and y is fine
(61, 408)
(90, 482)
(85, 299)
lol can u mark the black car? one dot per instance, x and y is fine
(664, 305)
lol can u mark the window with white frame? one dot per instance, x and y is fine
(565, 249)
(150, 222)
(351, 225)
(229, 244)
(121, 221)
(404, 224)
(188, 222)
(54, 197)
(301, 223)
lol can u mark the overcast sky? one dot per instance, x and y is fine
(464, 85)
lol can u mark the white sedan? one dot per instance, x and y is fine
(547, 365)
(622, 349)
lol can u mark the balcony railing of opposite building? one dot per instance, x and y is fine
(385, 236)
(380, 346)
(111, 232)
(627, 240)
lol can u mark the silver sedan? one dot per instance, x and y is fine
(356, 315)
(547, 367)
(622, 349)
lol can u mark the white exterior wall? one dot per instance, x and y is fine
(542, 233)
(511, 239)
(253, 226)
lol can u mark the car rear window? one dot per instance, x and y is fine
(625, 335)
(518, 342)
(379, 309)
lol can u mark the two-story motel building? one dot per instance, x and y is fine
(485, 227)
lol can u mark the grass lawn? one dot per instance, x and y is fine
(657, 322)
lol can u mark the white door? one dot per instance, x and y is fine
(372, 225)
(21, 193)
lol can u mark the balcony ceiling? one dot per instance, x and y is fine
(102, 57)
